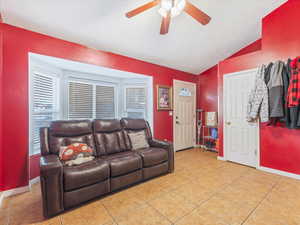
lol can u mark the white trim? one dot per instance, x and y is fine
(221, 158)
(240, 72)
(225, 77)
(19, 190)
(15, 191)
(1, 198)
(34, 181)
(279, 172)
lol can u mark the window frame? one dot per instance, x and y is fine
(67, 69)
(47, 72)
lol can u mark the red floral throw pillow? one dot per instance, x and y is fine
(76, 154)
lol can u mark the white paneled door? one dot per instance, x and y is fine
(241, 138)
(184, 118)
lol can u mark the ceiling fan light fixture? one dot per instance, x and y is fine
(167, 5)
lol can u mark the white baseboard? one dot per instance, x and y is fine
(19, 190)
(15, 191)
(221, 158)
(1, 197)
(34, 181)
(279, 172)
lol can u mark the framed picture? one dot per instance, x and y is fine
(164, 97)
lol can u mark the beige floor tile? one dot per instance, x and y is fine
(223, 193)
(231, 212)
(194, 192)
(145, 215)
(74, 217)
(240, 195)
(25, 213)
(4, 216)
(52, 221)
(148, 191)
(172, 206)
(121, 202)
(197, 218)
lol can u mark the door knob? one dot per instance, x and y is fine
(177, 122)
(228, 123)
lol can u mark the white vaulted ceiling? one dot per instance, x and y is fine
(102, 24)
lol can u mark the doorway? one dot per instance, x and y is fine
(241, 138)
(184, 118)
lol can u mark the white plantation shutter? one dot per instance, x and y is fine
(44, 106)
(135, 102)
(105, 102)
(91, 101)
(80, 101)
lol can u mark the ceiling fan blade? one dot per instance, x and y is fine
(165, 24)
(196, 13)
(142, 8)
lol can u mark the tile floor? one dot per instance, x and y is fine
(202, 191)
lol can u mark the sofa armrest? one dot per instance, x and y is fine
(51, 174)
(165, 145)
(44, 142)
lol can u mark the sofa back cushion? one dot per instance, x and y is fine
(138, 140)
(63, 133)
(135, 125)
(110, 137)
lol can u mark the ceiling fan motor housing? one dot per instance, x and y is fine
(175, 6)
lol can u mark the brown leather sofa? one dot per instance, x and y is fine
(115, 165)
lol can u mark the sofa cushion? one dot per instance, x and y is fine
(110, 138)
(153, 156)
(123, 163)
(67, 132)
(134, 125)
(138, 140)
(85, 174)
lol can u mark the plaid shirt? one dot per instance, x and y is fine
(293, 97)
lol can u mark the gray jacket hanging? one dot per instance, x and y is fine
(275, 87)
(258, 103)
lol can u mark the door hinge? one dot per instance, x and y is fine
(255, 152)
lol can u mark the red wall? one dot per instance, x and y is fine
(207, 90)
(1, 119)
(280, 147)
(17, 44)
(207, 83)
(253, 47)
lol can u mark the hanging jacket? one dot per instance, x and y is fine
(293, 98)
(268, 72)
(258, 103)
(275, 87)
(292, 106)
(286, 82)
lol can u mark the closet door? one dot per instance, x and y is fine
(241, 138)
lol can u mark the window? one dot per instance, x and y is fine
(80, 101)
(105, 102)
(58, 93)
(135, 102)
(91, 101)
(44, 107)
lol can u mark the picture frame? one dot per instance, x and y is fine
(164, 98)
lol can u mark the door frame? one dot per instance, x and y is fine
(225, 153)
(195, 107)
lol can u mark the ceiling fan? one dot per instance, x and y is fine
(172, 8)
